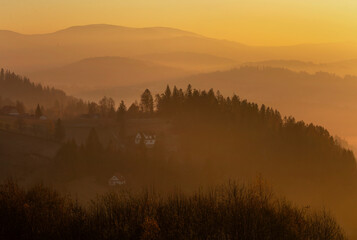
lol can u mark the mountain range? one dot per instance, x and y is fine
(96, 60)
(28, 53)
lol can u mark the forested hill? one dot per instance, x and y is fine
(17, 88)
(228, 131)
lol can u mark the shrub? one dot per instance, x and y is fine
(230, 211)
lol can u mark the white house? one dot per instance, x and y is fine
(149, 140)
(43, 117)
(116, 180)
(13, 112)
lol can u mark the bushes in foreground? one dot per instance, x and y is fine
(230, 211)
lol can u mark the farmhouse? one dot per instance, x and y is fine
(116, 180)
(148, 139)
(9, 110)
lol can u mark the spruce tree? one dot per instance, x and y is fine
(121, 112)
(147, 102)
(2, 75)
(38, 112)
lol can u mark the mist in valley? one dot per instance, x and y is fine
(112, 132)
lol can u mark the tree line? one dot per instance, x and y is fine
(229, 137)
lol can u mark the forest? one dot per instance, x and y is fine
(16, 89)
(206, 139)
(215, 132)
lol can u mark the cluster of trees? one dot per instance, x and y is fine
(14, 86)
(15, 89)
(230, 211)
(222, 138)
(23, 94)
(228, 136)
(106, 107)
(93, 158)
(228, 131)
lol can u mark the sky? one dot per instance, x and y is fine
(253, 22)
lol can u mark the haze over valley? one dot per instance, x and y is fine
(230, 120)
(97, 60)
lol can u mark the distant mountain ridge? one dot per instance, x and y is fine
(190, 61)
(27, 53)
(109, 27)
(104, 72)
(342, 68)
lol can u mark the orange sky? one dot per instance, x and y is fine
(255, 22)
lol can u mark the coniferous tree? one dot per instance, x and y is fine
(38, 112)
(189, 91)
(2, 75)
(147, 102)
(134, 109)
(167, 93)
(121, 112)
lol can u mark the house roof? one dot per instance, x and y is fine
(8, 109)
(117, 177)
(146, 135)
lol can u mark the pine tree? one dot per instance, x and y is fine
(2, 75)
(38, 112)
(121, 112)
(147, 102)
(134, 109)
(189, 91)
(167, 92)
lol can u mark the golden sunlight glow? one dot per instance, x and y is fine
(255, 22)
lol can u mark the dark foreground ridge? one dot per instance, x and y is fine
(230, 211)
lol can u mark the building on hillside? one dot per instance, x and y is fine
(43, 117)
(117, 180)
(149, 140)
(9, 110)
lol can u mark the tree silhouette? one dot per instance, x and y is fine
(121, 112)
(147, 102)
(106, 106)
(134, 109)
(2, 75)
(38, 112)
